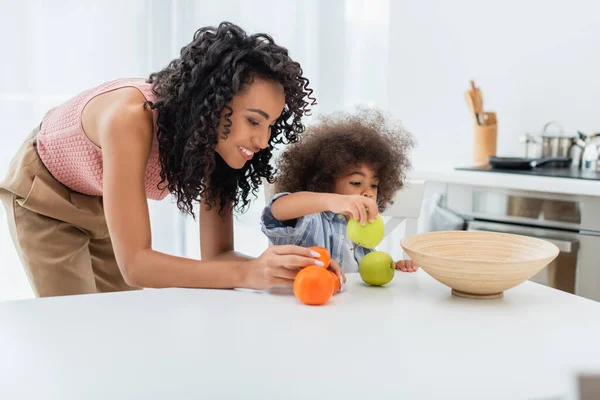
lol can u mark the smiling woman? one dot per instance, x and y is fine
(250, 113)
(203, 129)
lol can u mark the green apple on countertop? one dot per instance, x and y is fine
(377, 268)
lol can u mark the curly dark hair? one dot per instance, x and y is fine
(191, 93)
(340, 142)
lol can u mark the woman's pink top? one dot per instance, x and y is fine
(73, 159)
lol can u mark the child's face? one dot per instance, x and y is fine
(360, 180)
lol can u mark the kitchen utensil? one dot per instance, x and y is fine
(556, 144)
(522, 163)
(477, 98)
(479, 265)
(486, 126)
(548, 124)
(581, 143)
(590, 159)
(531, 146)
(585, 137)
(469, 100)
(575, 154)
(475, 102)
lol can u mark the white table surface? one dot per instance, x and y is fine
(448, 174)
(409, 340)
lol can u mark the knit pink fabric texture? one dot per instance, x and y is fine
(76, 161)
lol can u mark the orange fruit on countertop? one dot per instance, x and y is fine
(313, 285)
(336, 281)
(325, 257)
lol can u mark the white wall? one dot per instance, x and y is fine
(52, 50)
(535, 61)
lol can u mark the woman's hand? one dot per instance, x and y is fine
(335, 267)
(358, 207)
(278, 266)
(407, 266)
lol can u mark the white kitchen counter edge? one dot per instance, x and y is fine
(508, 181)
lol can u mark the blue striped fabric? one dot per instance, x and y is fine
(325, 229)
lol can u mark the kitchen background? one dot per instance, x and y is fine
(535, 61)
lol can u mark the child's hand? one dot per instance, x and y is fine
(354, 205)
(407, 266)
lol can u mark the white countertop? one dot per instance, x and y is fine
(409, 340)
(447, 174)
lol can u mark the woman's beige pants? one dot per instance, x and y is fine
(60, 235)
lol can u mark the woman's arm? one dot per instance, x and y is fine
(216, 236)
(126, 138)
(124, 130)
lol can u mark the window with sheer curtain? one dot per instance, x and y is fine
(52, 50)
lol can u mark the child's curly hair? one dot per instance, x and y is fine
(343, 141)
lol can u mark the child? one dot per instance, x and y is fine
(346, 166)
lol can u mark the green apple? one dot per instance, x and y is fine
(369, 235)
(377, 268)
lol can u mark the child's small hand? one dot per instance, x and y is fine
(361, 208)
(406, 266)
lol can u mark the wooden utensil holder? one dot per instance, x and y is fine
(485, 142)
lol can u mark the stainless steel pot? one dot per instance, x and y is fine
(557, 146)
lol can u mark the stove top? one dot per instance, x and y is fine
(572, 173)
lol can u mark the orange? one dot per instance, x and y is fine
(336, 281)
(313, 285)
(324, 257)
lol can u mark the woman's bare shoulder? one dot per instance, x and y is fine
(117, 111)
